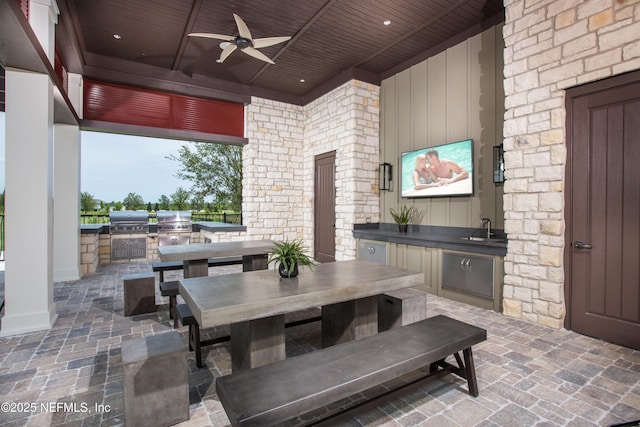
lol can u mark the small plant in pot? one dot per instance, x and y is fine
(402, 217)
(289, 255)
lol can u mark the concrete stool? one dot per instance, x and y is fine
(155, 380)
(139, 293)
(401, 307)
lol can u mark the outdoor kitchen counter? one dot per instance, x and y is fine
(452, 238)
(196, 256)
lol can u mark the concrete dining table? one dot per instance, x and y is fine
(254, 304)
(195, 257)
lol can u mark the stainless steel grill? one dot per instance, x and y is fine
(174, 228)
(128, 222)
(128, 231)
(174, 221)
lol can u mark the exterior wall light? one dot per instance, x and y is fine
(386, 176)
(498, 164)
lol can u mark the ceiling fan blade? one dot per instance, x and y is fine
(257, 54)
(213, 36)
(242, 27)
(226, 52)
(269, 41)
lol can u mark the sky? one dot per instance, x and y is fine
(112, 166)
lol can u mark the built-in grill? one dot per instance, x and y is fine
(128, 231)
(128, 222)
(174, 228)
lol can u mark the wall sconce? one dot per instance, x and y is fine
(498, 164)
(386, 176)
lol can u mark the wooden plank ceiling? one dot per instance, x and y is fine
(332, 40)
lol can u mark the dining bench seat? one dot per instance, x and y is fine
(273, 394)
(162, 266)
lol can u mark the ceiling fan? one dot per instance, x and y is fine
(243, 41)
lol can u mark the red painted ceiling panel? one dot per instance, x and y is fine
(121, 104)
(208, 116)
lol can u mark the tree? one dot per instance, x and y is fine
(133, 202)
(87, 202)
(214, 169)
(197, 202)
(149, 209)
(180, 199)
(164, 203)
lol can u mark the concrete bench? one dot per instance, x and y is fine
(273, 394)
(155, 380)
(160, 267)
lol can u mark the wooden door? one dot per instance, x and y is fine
(325, 207)
(603, 210)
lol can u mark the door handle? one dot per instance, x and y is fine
(579, 244)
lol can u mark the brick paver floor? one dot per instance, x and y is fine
(528, 375)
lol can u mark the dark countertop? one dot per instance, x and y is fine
(197, 226)
(435, 237)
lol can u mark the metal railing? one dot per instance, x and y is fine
(226, 217)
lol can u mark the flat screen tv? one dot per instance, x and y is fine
(440, 171)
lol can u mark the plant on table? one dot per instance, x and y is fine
(289, 255)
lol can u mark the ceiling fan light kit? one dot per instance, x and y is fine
(243, 41)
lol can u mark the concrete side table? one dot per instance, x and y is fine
(139, 293)
(155, 379)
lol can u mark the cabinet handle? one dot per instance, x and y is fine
(372, 250)
(465, 264)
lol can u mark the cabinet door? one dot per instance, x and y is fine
(374, 252)
(469, 274)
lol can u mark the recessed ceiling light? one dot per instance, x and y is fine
(386, 22)
(302, 80)
(117, 36)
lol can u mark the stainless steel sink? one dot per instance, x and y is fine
(482, 239)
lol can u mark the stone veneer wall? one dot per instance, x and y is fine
(550, 46)
(272, 172)
(89, 253)
(346, 120)
(278, 164)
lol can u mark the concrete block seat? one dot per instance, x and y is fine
(139, 293)
(272, 395)
(155, 380)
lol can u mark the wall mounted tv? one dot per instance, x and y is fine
(439, 171)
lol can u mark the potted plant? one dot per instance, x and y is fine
(402, 217)
(289, 255)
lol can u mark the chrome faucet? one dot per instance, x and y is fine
(488, 221)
